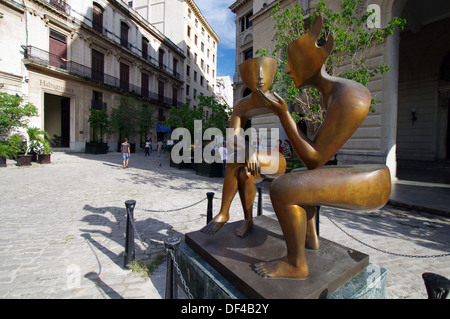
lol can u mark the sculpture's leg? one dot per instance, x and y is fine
(312, 239)
(293, 221)
(247, 193)
(294, 196)
(230, 188)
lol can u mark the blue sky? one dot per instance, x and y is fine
(221, 19)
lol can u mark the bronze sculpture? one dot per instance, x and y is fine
(257, 73)
(295, 195)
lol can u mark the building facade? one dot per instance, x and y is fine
(411, 123)
(224, 90)
(184, 24)
(67, 57)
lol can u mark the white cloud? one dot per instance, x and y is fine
(221, 19)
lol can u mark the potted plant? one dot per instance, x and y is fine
(42, 148)
(100, 124)
(19, 147)
(14, 114)
(6, 152)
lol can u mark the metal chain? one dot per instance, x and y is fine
(175, 209)
(382, 250)
(183, 282)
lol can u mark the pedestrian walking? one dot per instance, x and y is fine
(125, 150)
(223, 156)
(287, 149)
(159, 145)
(147, 148)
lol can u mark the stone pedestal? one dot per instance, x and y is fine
(219, 266)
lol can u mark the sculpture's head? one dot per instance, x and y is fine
(258, 73)
(305, 58)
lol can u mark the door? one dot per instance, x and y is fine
(58, 50)
(65, 122)
(97, 65)
(124, 76)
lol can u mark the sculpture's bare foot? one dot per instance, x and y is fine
(245, 227)
(214, 225)
(280, 268)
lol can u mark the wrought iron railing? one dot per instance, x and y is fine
(48, 59)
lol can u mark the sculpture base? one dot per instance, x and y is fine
(224, 260)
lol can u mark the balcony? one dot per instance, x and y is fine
(46, 59)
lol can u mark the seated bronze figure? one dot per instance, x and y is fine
(256, 73)
(295, 195)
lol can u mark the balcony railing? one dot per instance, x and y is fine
(48, 59)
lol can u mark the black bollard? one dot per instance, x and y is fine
(437, 286)
(259, 213)
(171, 245)
(317, 215)
(209, 210)
(129, 241)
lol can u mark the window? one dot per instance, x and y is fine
(207, 53)
(97, 65)
(58, 49)
(188, 51)
(189, 31)
(97, 101)
(203, 47)
(124, 76)
(203, 65)
(195, 58)
(245, 22)
(201, 80)
(195, 76)
(144, 84)
(188, 88)
(124, 34)
(161, 58)
(144, 48)
(174, 96)
(175, 67)
(214, 58)
(195, 93)
(97, 18)
(248, 54)
(188, 70)
(196, 39)
(160, 91)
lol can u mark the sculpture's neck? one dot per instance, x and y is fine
(323, 82)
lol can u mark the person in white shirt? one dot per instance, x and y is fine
(223, 156)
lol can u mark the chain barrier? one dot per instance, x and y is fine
(175, 209)
(382, 250)
(177, 268)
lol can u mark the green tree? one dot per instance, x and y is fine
(14, 112)
(99, 121)
(145, 120)
(353, 42)
(124, 118)
(209, 111)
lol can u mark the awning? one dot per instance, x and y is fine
(162, 129)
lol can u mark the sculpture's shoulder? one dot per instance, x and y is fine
(352, 95)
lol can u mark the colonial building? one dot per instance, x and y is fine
(184, 23)
(411, 123)
(224, 90)
(67, 57)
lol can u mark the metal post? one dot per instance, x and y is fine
(209, 211)
(129, 241)
(437, 286)
(171, 245)
(259, 213)
(317, 219)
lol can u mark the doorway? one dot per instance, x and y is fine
(57, 119)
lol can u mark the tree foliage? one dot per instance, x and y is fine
(353, 42)
(14, 112)
(209, 111)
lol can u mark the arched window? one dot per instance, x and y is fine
(97, 18)
(124, 34)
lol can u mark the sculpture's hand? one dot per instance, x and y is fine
(252, 164)
(277, 107)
